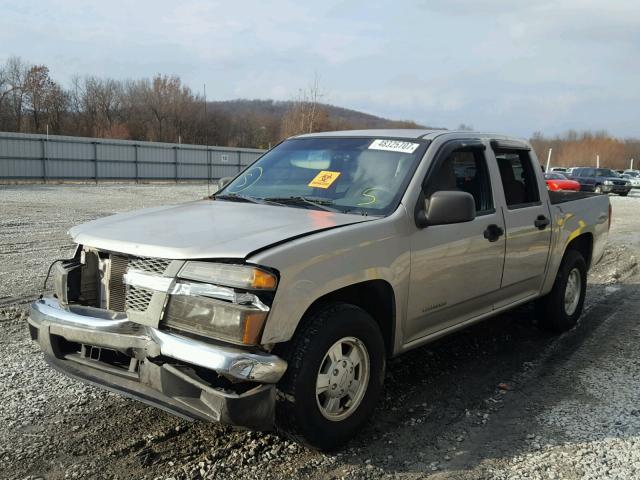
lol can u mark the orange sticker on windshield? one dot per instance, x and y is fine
(324, 179)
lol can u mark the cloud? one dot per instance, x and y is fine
(513, 66)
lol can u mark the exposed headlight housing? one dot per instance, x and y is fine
(224, 304)
(238, 276)
(215, 319)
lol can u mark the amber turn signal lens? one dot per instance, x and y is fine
(253, 323)
(263, 280)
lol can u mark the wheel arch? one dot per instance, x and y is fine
(583, 244)
(376, 297)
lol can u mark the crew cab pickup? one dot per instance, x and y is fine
(277, 301)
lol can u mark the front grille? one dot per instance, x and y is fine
(150, 265)
(138, 299)
(122, 297)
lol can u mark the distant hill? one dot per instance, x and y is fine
(341, 118)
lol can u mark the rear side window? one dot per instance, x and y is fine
(518, 178)
(466, 171)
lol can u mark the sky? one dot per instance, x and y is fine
(513, 67)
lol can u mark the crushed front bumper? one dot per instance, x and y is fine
(187, 377)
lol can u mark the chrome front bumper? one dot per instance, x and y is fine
(165, 364)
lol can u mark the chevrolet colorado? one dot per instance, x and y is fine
(277, 301)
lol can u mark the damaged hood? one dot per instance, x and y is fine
(205, 229)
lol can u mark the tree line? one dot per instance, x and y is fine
(581, 149)
(164, 109)
(161, 109)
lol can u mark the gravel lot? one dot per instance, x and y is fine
(498, 400)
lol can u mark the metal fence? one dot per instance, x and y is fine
(41, 158)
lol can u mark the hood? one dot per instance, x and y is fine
(205, 229)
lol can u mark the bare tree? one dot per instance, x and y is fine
(306, 113)
(16, 73)
(37, 87)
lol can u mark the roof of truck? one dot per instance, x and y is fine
(409, 133)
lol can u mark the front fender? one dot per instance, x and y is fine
(313, 266)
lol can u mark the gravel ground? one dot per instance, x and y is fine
(497, 400)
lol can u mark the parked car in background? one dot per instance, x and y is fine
(634, 180)
(557, 181)
(557, 169)
(600, 180)
(633, 173)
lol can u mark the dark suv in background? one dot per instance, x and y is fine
(600, 180)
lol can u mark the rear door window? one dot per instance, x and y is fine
(518, 177)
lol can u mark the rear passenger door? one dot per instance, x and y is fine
(527, 220)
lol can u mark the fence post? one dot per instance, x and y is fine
(95, 161)
(175, 161)
(239, 161)
(208, 165)
(45, 148)
(135, 159)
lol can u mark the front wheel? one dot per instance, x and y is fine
(334, 377)
(624, 194)
(560, 309)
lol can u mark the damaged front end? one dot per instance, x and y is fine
(136, 326)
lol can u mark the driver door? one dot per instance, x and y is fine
(456, 269)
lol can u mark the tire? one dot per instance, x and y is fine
(598, 189)
(624, 194)
(299, 408)
(554, 313)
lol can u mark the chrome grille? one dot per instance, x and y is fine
(150, 265)
(138, 299)
(122, 297)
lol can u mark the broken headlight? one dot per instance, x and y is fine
(215, 318)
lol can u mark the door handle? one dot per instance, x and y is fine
(541, 222)
(493, 232)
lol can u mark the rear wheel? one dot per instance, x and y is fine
(334, 376)
(560, 309)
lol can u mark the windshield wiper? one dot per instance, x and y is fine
(303, 201)
(234, 197)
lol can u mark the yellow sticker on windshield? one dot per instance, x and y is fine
(324, 179)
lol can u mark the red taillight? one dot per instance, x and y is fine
(610, 212)
(554, 186)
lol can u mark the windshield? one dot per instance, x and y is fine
(605, 172)
(349, 175)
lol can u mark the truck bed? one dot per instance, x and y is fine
(567, 196)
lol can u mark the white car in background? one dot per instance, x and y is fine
(633, 179)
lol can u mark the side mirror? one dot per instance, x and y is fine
(446, 207)
(223, 182)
